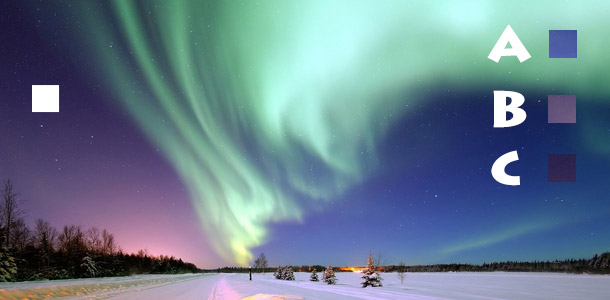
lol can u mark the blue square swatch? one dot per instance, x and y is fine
(562, 43)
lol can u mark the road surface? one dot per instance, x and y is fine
(419, 286)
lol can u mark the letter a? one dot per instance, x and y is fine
(498, 169)
(518, 50)
(500, 109)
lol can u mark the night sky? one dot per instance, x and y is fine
(313, 131)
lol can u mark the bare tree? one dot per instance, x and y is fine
(94, 241)
(143, 253)
(71, 240)
(44, 238)
(20, 236)
(45, 235)
(261, 263)
(401, 271)
(9, 212)
(108, 245)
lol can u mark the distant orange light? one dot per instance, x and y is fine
(351, 269)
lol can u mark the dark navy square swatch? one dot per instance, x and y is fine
(562, 167)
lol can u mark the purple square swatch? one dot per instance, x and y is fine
(562, 108)
(562, 43)
(562, 167)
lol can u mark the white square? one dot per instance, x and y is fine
(45, 98)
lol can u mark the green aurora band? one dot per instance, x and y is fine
(268, 109)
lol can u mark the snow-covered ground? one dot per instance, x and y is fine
(263, 286)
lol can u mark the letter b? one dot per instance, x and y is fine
(500, 109)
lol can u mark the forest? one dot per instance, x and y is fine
(598, 264)
(44, 252)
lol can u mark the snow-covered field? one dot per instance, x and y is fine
(263, 286)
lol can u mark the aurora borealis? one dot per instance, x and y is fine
(291, 124)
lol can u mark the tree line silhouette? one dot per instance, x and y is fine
(599, 264)
(44, 252)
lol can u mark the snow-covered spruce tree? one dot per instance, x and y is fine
(329, 276)
(8, 267)
(287, 273)
(371, 276)
(314, 275)
(88, 266)
(278, 273)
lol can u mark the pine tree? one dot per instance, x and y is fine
(44, 249)
(329, 276)
(314, 275)
(371, 276)
(8, 267)
(278, 273)
(88, 266)
(287, 273)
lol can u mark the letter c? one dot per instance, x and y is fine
(498, 169)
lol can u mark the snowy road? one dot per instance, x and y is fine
(419, 286)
